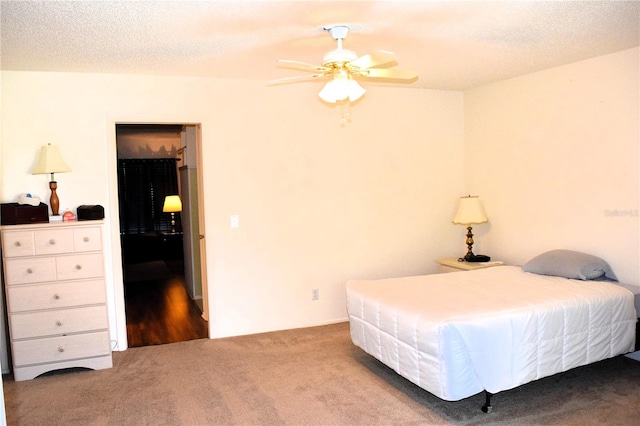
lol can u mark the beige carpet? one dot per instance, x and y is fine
(311, 376)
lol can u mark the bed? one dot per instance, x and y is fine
(462, 333)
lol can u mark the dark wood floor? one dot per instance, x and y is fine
(160, 311)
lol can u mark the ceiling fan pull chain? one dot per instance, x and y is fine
(345, 118)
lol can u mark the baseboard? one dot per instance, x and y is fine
(333, 321)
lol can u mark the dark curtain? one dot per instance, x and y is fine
(142, 186)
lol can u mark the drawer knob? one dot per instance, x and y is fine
(78, 267)
(52, 242)
(60, 349)
(56, 296)
(58, 323)
(29, 271)
(17, 244)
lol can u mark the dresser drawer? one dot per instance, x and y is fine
(18, 243)
(61, 348)
(53, 241)
(79, 266)
(56, 295)
(63, 321)
(30, 270)
(87, 239)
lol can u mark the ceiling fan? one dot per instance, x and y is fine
(343, 67)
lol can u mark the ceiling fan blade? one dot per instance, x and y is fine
(389, 73)
(295, 79)
(379, 58)
(302, 65)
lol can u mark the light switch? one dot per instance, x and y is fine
(235, 221)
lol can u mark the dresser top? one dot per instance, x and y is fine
(50, 225)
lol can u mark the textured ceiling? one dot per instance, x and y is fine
(452, 44)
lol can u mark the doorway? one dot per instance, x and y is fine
(160, 240)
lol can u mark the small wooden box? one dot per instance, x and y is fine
(21, 214)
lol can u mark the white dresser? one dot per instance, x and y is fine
(56, 297)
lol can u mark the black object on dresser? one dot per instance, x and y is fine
(23, 214)
(90, 212)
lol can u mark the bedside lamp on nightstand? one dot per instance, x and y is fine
(470, 212)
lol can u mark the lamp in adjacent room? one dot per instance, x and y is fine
(50, 161)
(470, 212)
(173, 205)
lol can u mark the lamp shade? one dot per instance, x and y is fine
(470, 211)
(172, 204)
(50, 161)
(340, 88)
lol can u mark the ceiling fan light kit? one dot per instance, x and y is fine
(341, 66)
(342, 87)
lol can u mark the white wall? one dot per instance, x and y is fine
(550, 154)
(554, 155)
(318, 203)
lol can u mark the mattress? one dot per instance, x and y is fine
(636, 292)
(491, 329)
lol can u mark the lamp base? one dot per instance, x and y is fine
(476, 258)
(55, 218)
(470, 257)
(54, 202)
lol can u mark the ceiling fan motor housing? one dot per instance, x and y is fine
(338, 56)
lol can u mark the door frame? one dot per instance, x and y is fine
(191, 159)
(114, 275)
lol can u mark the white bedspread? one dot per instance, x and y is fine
(491, 329)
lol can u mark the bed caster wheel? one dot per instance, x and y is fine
(487, 408)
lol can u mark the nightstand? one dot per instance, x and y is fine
(171, 245)
(453, 265)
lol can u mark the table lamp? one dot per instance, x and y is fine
(470, 212)
(50, 161)
(172, 204)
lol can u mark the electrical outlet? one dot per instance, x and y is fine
(315, 294)
(235, 221)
